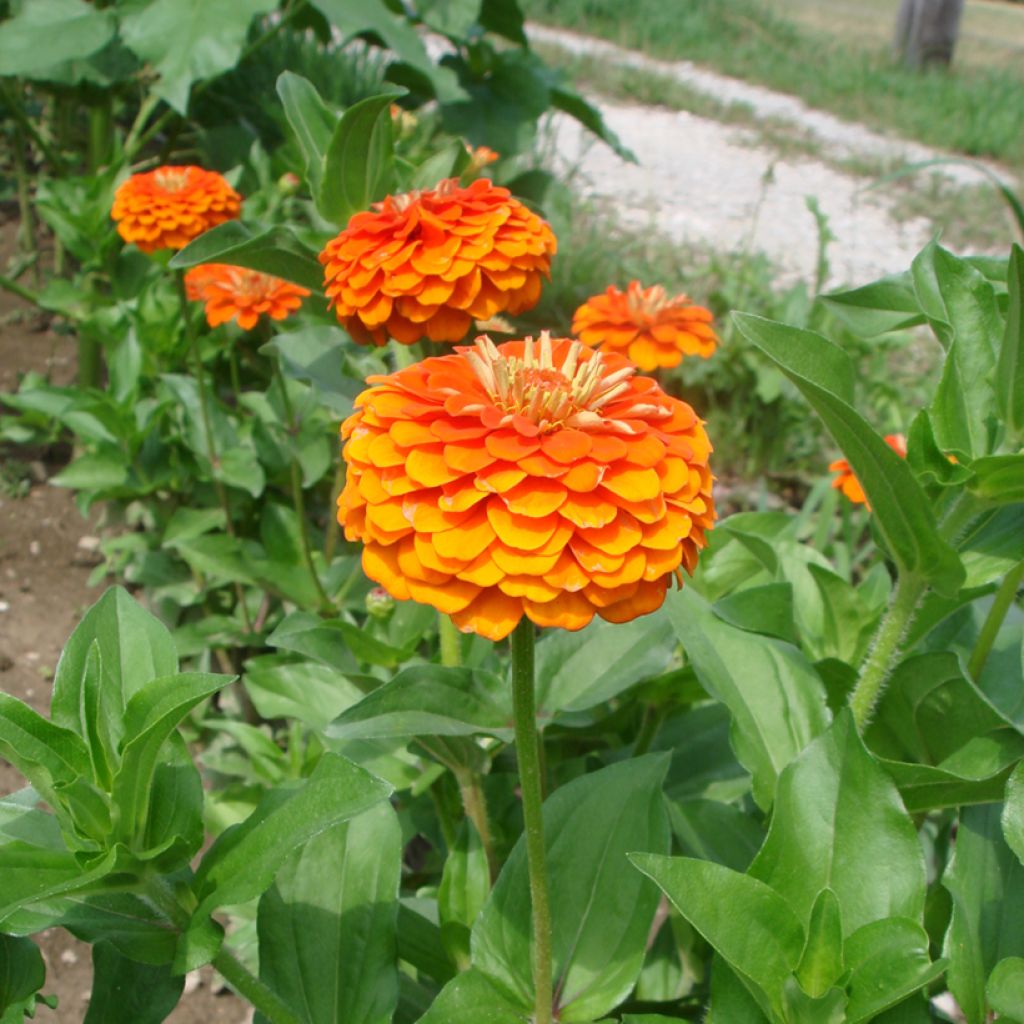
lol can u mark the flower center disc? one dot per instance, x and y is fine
(171, 179)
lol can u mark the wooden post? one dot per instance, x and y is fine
(926, 31)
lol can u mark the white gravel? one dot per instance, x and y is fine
(704, 182)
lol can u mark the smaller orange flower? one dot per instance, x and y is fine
(480, 157)
(646, 325)
(845, 480)
(235, 293)
(168, 207)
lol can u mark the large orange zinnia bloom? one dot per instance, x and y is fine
(427, 264)
(537, 478)
(168, 207)
(848, 483)
(646, 325)
(235, 293)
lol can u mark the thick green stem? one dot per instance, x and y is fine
(1005, 596)
(528, 756)
(211, 444)
(247, 985)
(451, 641)
(326, 607)
(885, 648)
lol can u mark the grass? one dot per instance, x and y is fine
(974, 110)
(969, 217)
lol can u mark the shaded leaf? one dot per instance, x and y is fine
(127, 992)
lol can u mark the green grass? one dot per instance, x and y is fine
(977, 111)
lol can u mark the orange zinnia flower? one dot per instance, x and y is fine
(168, 207)
(543, 479)
(427, 264)
(235, 293)
(646, 325)
(845, 480)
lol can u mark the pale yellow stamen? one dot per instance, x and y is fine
(534, 387)
(646, 304)
(171, 179)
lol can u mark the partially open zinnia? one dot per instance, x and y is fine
(533, 478)
(236, 293)
(427, 264)
(168, 207)
(848, 483)
(647, 325)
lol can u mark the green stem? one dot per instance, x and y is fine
(528, 757)
(333, 531)
(451, 641)
(10, 285)
(211, 444)
(326, 607)
(885, 648)
(1005, 596)
(247, 985)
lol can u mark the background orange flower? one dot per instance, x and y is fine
(427, 264)
(542, 479)
(646, 325)
(168, 207)
(235, 293)
(848, 483)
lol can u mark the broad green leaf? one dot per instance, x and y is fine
(281, 565)
(766, 609)
(716, 831)
(1013, 812)
(31, 873)
(465, 886)
(731, 1001)
(601, 912)
(94, 471)
(359, 165)
(45, 33)
(903, 515)
(453, 18)
(174, 824)
(312, 693)
(703, 762)
(962, 309)
(801, 1008)
(242, 863)
(187, 41)
(821, 962)
(447, 162)
(772, 721)
(837, 816)
(311, 120)
(430, 700)
(151, 715)
(888, 304)
(998, 479)
(1005, 988)
(327, 925)
(471, 998)
(127, 992)
(847, 623)
(419, 939)
(217, 558)
(134, 648)
(22, 970)
(576, 671)
(124, 920)
(749, 924)
(334, 642)
(986, 881)
(1010, 369)
(993, 545)
(317, 355)
(274, 251)
(887, 960)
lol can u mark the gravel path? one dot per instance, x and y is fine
(704, 182)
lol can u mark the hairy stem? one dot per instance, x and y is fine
(1005, 596)
(528, 757)
(247, 985)
(885, 648)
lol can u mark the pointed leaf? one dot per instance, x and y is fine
(127, 992)
(1006, 988)
(22, 970)
(904, 517)
(311, 120)
(821, 963)
(601, 913)
(470, 998)
(1010, 370)
(465, 886)
(327, 925)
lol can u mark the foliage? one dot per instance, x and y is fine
(793, 794)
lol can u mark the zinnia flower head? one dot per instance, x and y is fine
(427, 264)
(646, 325)
(168, 207)
(235, 293)
(848, 483)
(532, 478)
(480, 157)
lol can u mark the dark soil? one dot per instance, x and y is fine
(44, 571)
